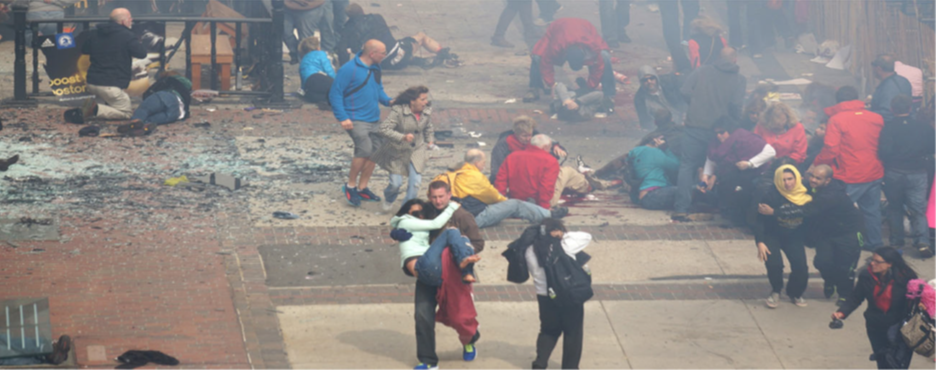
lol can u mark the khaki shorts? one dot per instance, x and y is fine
(366, 138)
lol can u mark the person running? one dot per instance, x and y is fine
(774, 234)
(422, 260)
(355, 97)
(408, 134)
(883, 283)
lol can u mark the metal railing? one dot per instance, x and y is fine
(264, 47)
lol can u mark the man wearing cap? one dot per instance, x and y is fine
(891, 86)
(577, 42)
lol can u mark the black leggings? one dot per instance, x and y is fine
(836, 259)
(790, 242)
(556, 320)
(316, 88)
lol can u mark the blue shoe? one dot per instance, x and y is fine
(351, 194)
(470, 352)
(367, 195)
(423, 366)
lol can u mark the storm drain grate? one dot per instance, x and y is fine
(25, 327)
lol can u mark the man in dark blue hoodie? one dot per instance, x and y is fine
(112, 47)
(355, 97)
(891, 86)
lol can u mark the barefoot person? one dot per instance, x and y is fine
(423, 260)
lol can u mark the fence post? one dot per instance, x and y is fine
(19, 64)
(276, 53)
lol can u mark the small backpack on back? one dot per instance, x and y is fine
(568, 280)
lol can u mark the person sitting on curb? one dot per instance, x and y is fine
(479, 197)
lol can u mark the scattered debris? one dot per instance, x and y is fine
(510, 101)
(285, 215)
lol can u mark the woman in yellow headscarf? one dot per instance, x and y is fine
(774, 234)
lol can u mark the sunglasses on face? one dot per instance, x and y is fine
(645, 79)
(873, 261)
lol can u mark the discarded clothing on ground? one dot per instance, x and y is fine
(136, 358)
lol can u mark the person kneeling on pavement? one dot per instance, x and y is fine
(111, 48)
(316, 71)
(479, 197)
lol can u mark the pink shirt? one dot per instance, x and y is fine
(915, 75)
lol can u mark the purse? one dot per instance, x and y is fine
(918, 332)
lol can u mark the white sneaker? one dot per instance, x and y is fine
(773, 300)
(800, 302)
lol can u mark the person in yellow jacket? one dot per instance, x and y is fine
(479, 197)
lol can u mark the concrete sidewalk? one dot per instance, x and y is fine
(698, 334)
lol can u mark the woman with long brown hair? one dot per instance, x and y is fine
(408, 135)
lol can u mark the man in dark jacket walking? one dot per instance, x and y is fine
(905, 145)
(891, 85)
(834, 227)
(112, 47)
(713, 91)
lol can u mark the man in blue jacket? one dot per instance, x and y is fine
(355, 98)
(891, 86)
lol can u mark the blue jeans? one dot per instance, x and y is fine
(396, 182)
(906, 190)
(160, 108)
(868, 197)
(659, 199)
(429, 265)
(511, 208)
(45, 29)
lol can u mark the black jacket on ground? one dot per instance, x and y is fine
(905, 144)
(112, 48)
(357, 30)
(864, 290)
(830, 214)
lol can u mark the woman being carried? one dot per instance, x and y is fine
(422, 260)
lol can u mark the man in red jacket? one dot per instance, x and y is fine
(530, 174)
(851, 147)
(576, 41)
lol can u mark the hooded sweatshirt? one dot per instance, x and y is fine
(714, 91)
(420, 228)
(851, 143)
(112, 48)
(666, 96)
(364, 104)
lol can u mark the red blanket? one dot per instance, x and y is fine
(456, 301)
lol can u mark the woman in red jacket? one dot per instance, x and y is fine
(706, 42)
(781, 129)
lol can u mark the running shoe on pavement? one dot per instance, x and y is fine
(367, 195)
(351, 194)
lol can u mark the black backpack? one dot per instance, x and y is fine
(568, 280)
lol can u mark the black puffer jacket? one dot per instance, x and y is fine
(112, 48)
(535, 236)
